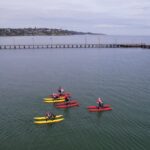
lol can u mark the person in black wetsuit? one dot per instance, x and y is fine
(50, 115)
(60, 90)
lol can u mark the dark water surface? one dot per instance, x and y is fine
(120, 76)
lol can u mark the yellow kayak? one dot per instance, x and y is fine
(54, 101)
(44, 118)
(49, 121)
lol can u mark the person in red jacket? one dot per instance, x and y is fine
(100, 102)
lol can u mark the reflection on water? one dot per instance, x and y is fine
(119, 76)
(99, 115)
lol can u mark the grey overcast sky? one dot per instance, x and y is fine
(130, 17)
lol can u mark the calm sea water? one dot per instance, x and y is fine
(121, 77)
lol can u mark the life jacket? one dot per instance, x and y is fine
(54, 95)
(99, 100)
(62, 90)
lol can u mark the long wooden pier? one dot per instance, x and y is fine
(51, 46)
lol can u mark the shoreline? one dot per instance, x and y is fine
(40, 32)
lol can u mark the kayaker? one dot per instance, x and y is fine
(61, 90)
(100, 102)
(50, 115)
(55, 96)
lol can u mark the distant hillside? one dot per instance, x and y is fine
(38, 31)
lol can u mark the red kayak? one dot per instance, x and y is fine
(100, 109)
(95, 107)
(67, 105)
(64, 103)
